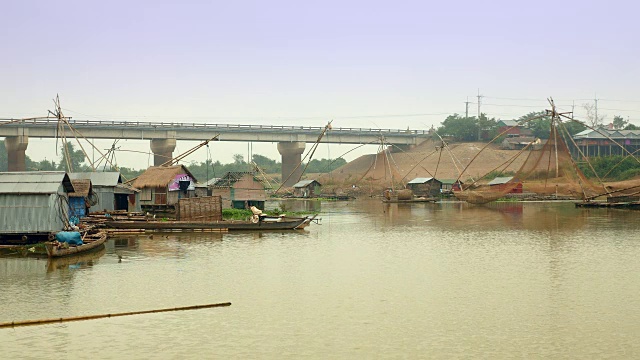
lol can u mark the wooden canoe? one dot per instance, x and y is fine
(56, 249)
(284, 223)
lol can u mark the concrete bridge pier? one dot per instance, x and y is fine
(291, 155)
(16, 146)
(162, 150)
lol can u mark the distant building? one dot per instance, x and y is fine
(34, 203)
(512, 127)
(520, 142)
(504, 184)
(108, 191)
(425, 186)
(449, 185)
(601, 142)
(306, 188)
(162, 186)
(240, 190)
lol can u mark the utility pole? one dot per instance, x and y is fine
(466, 108)
(596, 110)
(479, 101)
(573, 105)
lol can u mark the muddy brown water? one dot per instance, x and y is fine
(447, 280)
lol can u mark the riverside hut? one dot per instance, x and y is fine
(79, 199)
(240, 190)
(33, 204)
(108, 193)
(162, 186)
(306, 188)
(425, 186)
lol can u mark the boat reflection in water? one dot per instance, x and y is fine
(80, 261)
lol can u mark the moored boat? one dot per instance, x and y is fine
(93, 241)
(264, 223)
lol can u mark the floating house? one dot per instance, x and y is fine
(505, 184)
(425, 186)
(80, 198)
(162, 186)
(33, 204)
(306, 188)
(449, 185)
(240, 190)
(108, 193)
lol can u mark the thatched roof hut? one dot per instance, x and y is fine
(81, 187)
(160, 176)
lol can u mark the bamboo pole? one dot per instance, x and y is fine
(100, 316)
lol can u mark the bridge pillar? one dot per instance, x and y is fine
(162, 150)
(291, 155)
(16, 146)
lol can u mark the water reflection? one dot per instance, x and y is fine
(74, 262)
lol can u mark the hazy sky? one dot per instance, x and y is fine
(392, 64)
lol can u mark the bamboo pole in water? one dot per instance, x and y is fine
(100, 316)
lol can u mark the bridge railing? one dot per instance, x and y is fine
(203, 126)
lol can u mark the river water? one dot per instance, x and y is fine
(448, 280)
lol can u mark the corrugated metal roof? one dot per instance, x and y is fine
(304, 183)
(107, 178)
(509, 122)
(420, 180)
(450, 181)
(34, 182)
(500, 180)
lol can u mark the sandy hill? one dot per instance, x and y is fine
(425, 160)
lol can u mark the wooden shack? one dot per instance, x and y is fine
(306, 188)
(161, 187)
(240, 190)
(109, 192)
(80, 198)
(506, 184)
(33, 204)
(450, 185)
(425, 186)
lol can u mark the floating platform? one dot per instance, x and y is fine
(635, 205)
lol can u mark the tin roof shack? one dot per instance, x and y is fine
(33, 204)
(450, 185)
(504, 184)
(79, 199)
(162, 186)
(240, 190)
(425, 186)
(109, 193)
(521, 142)
(306, 188)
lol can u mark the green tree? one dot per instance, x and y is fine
(267, 165)
(76, 158)
(631, 127)
(619, 122)
(460, 128)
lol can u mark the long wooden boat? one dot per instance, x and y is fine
(633, 205)
(265, 223)
(409, 201)
(56, 249)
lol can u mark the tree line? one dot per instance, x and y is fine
(202, 171)
(461, 128)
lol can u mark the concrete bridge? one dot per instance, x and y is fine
(163, 136)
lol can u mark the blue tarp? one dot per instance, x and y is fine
(71, 237)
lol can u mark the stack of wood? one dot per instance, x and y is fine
(200, 209)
